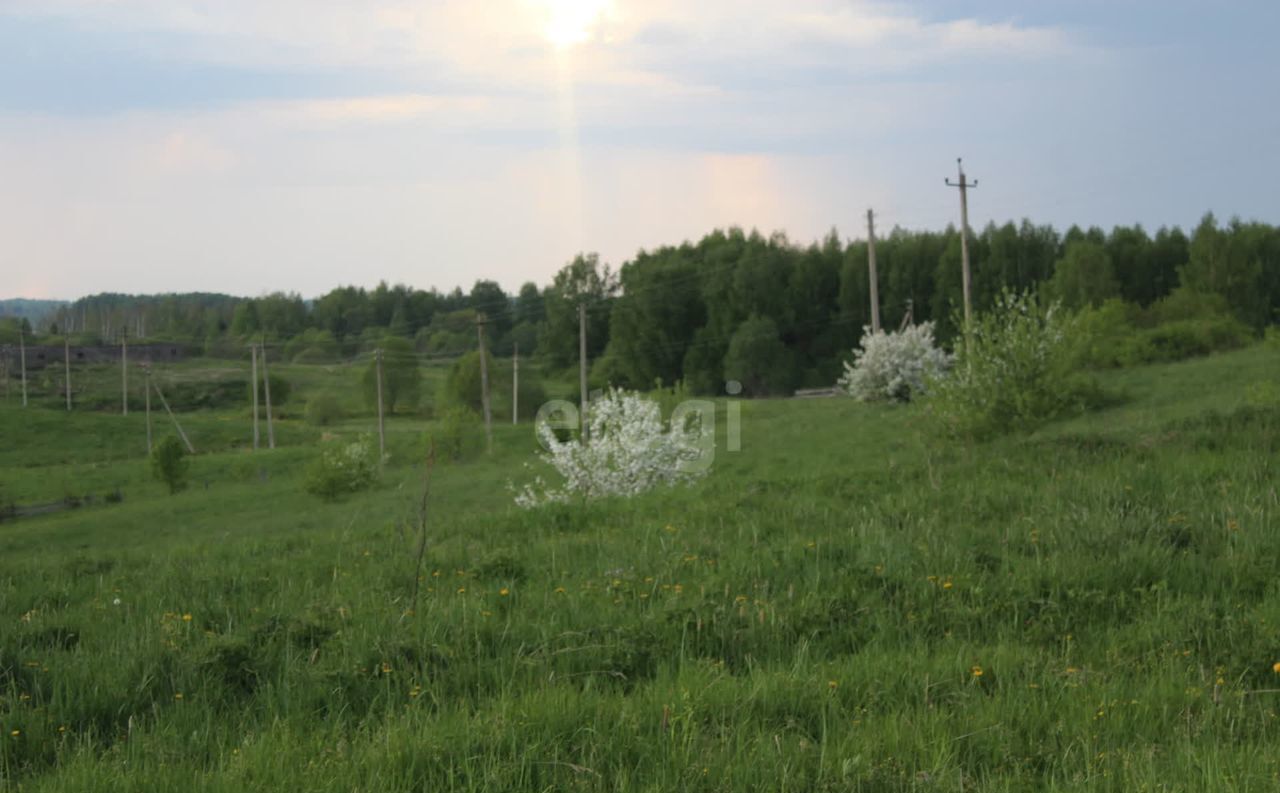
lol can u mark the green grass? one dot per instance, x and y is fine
(811, 616)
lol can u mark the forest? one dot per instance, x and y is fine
(737, 305)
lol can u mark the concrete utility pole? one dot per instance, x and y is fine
(582, 366)
(266, 392)
(66, 346)
(484, 385)
(124, 371)
(515, 385)
(964, 186)
(382, 427)
(22, 353)
(253, 351)
(871, 266)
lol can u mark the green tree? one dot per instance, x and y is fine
(582, 281)
(1084, 277)
(401, 377)
(169, 464)
(758, 359)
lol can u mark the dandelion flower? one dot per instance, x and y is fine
(186, 618)
(504, 591)
(1276, 667)
(976, 671)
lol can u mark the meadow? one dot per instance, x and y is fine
(848, 603)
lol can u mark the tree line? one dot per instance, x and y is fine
(735, 305)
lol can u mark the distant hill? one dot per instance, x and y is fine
(31, 310)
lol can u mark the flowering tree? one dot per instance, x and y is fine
(629, 450)
(345, 468)
(894, 365)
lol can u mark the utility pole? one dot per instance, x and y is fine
(266, 392)
(871, 266)
(124, 370)
(582, 366)
(382, 429)
(515, 385)
(22, 353)
(66, 346)
(484, 386)
(147, 404)
(253, 351)
(964, 186)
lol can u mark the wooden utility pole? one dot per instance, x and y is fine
(66, 346)
(253, 351)
(266, 392)
(124, 371)
(515, 385)
(582, 367)
(964, 186)
(147, 404)
(871, 266)
(181, 434)
(382, 429)
(22, 360)
(484, 385)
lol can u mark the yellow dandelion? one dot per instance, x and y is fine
(462, 590)
(831, 684)
(504, 591)
(178, 695)
(947, 585)
(386, 668)
(559, 590)
(186, 618)
(1276, 667)
(16, 733)
(976, 671)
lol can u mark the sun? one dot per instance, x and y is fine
(570, 22)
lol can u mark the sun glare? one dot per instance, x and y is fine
(570, 22)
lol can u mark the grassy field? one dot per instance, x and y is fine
(845, 604)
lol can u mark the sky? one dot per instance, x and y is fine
(250, 146)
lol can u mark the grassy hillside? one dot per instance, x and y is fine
(845, 604)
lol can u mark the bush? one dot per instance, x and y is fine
(458, 432)
(342, 469)
(894, 365)
(1014, 373)
(170, 465)
(280, 390)
(323, 410)
(1183, 325)
(758, 359)
(630, 450)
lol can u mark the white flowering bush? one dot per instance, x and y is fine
(343, 468)
(1015, 372)
(894, 366)
(629, 450)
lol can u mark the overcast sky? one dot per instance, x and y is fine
(248, 146)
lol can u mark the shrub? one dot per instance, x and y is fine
(758, 359)
(629, 450)
(1014, 373)
(170, 465)
(894, 365)
(323, 410)
(343, 468)
(1183, 325)
(280, 390)
(458, 432)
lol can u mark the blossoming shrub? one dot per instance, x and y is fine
(342, 469)
(629, 450)
(894, 365)
(1015, 372)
